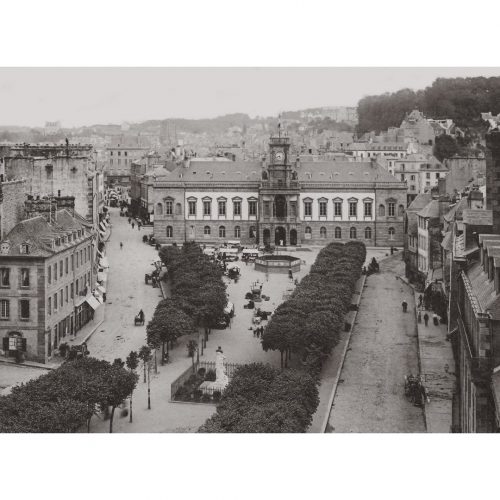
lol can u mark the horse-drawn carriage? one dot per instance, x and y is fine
(139, 320)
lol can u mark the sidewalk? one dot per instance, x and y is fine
(332, 367)
(437, 367)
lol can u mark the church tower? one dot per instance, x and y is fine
(279, 195)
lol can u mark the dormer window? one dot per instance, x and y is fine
(24, 248)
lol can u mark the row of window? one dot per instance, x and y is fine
(353, 209)
(24, 309)
(119, 153)
(64, 295)
(24, 277)
(63, 267)
(308, 232)
(353, 233)
(168, 208)
(119, 162)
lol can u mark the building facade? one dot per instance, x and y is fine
(46, 278)
(285, 201)
(119, 158)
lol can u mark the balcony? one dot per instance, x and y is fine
(274, 184)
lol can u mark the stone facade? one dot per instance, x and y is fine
(493, 177)
(283, 203)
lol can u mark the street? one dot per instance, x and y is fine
(383, 349)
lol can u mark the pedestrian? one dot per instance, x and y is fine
(121, 245)
(426, 319)
(420, 299)
(255, 332)
(129, 219)
(435, 319)
(141, 315)
(405, 305)
(133, 225)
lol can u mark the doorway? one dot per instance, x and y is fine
(280, 236)
(267, 237)
(293, 237)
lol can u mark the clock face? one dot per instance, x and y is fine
(279, 156)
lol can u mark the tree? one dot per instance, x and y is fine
(445, 147)
(192, 347)
(145, 356)
(132, 363)
(119, 385)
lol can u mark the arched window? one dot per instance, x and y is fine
(352, 233)
(159, 209)
(251, 232)
(222, 232)
(381, 210)
(392, 232)
(401, 210)
(206, 230)
(338, 233)
(170, 232)
(237, 232)
(322, 232)
(368, 233)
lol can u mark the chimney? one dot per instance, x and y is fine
(493, 177)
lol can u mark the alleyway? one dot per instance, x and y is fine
(383, 349)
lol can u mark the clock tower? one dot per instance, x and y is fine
(279, 195)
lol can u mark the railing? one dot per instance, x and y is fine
(293, 184)
(230, 368)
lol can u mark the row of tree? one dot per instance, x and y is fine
(197, 287)
(461, 99)
(262, 399)
(309, 323)
(66, 399)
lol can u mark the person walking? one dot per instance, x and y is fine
(121, 245)
(133, 225)
(426, 319)
(129, 219)
(435, 319)
(420, 299)
(405, 305)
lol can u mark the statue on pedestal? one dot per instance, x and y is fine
(221, 379)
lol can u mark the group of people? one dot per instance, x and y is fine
(258, 331)
(426, 317)
(132, 222)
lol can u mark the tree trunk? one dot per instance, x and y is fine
(111, 419)
(281, 353)
(286, 358)
(192, 361)
(88, 423)
(144, 372)
(156, 364)
(162, 353)
(130, 419)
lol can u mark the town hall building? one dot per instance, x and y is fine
(283, 201)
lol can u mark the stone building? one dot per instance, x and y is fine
(12, 197)
(119, 157)
(286, 201)
(46, 279)
(57, 170)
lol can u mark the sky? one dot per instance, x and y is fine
(88, 96)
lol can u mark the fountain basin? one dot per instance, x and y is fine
(278, 263)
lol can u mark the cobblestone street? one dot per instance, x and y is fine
(383, 349)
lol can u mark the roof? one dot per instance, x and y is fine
(376, 146)
(419, 202)
(456, 211)
(478, 217)
(307, 171)
(430, 210)
(447, 242)
(39, 234)
(484, 291)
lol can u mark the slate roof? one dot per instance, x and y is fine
(430, 210)
(419, 202)
(484, 290)
(38, 233)
(307, 171)
(456, 211)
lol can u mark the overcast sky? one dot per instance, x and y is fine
(87, 96)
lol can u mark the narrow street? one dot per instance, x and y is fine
(383, 349)
(126, 291)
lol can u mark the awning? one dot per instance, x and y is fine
(99, 253)
(102, 226)
(102, 233)
(104, 262)
(101, 289)
(92, 302)
(102, 277)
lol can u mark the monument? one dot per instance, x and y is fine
(221, 379)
